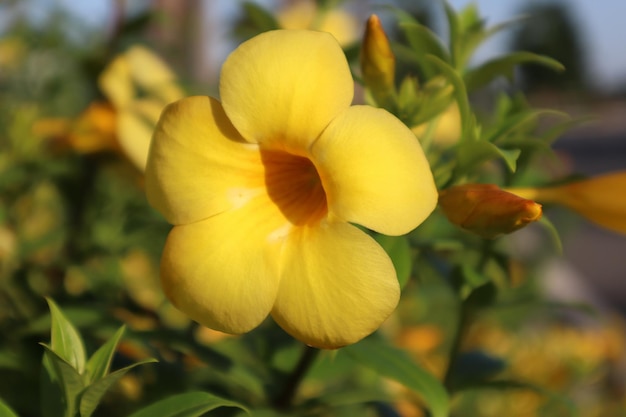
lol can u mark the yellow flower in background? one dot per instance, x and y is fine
(486, 210)
(263, 187)
(305, 14)
(600, 199)
(139, 85)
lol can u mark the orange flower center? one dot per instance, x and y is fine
(294, 184)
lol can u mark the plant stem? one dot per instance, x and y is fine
(285, 398)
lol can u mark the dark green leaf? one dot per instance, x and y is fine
(99, 363)
(473, 154)
(65, 339)
(396, 364)
(399, 250)
(191, 404)
(260, 17)
(70, 380)
(92, 395)
(504, 66)
(425, 42)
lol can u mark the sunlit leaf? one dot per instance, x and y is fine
(6, 411)
(92, 395)
(99, 363)
(396, 364)
(191, 404)
(65, 339)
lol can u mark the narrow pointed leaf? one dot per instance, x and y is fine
(191, 404)
(399, 250)
(100, 362)
(396, 364)
(504, 66)
(71, 381)
(65, 339)
(92, 395)
(472, 154)
(6, 411)
(460, 94)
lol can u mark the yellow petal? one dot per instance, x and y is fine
(150, 72)
(600, 199)
(282, 88)
(223, 272)
(336, 291)
(199, 166)
(374, 171)
(116, 83)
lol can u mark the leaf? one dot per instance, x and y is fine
(260, 17)
(504, 66)
(92, 395)
(70, 380)
(553, 232)
(424, 42)
(191, 404)
(399, 250)
(99, 363)
(65, 339)
(6, 411)
(396, 364)
(460, 93)
(472, 154)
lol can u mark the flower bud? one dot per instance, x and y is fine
(600, 199)
(378, 63)
(486, 210)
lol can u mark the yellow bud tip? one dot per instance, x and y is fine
(486, 210)
(378, 63)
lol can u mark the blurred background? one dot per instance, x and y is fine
(80, 81)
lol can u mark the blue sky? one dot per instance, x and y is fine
(602, 23)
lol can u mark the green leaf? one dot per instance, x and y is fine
(504, 66)
(399, 250)
(92, 395)
(65, 339)
(424, 42)
(460, 92)
(99, 363)
(396, 364)
(472, 154)
(71, 382)
(260, 17)
(6, 411)
(553, 232)
(191, 404)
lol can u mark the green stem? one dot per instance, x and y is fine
(285, 398)
(465, 317)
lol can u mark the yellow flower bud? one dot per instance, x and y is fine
(486, 210)
(600, 199)
(378, 63)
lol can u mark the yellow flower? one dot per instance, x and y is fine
(305, 14)
(263, 187)
(487, 210)
(139, 85)
(600, 199)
